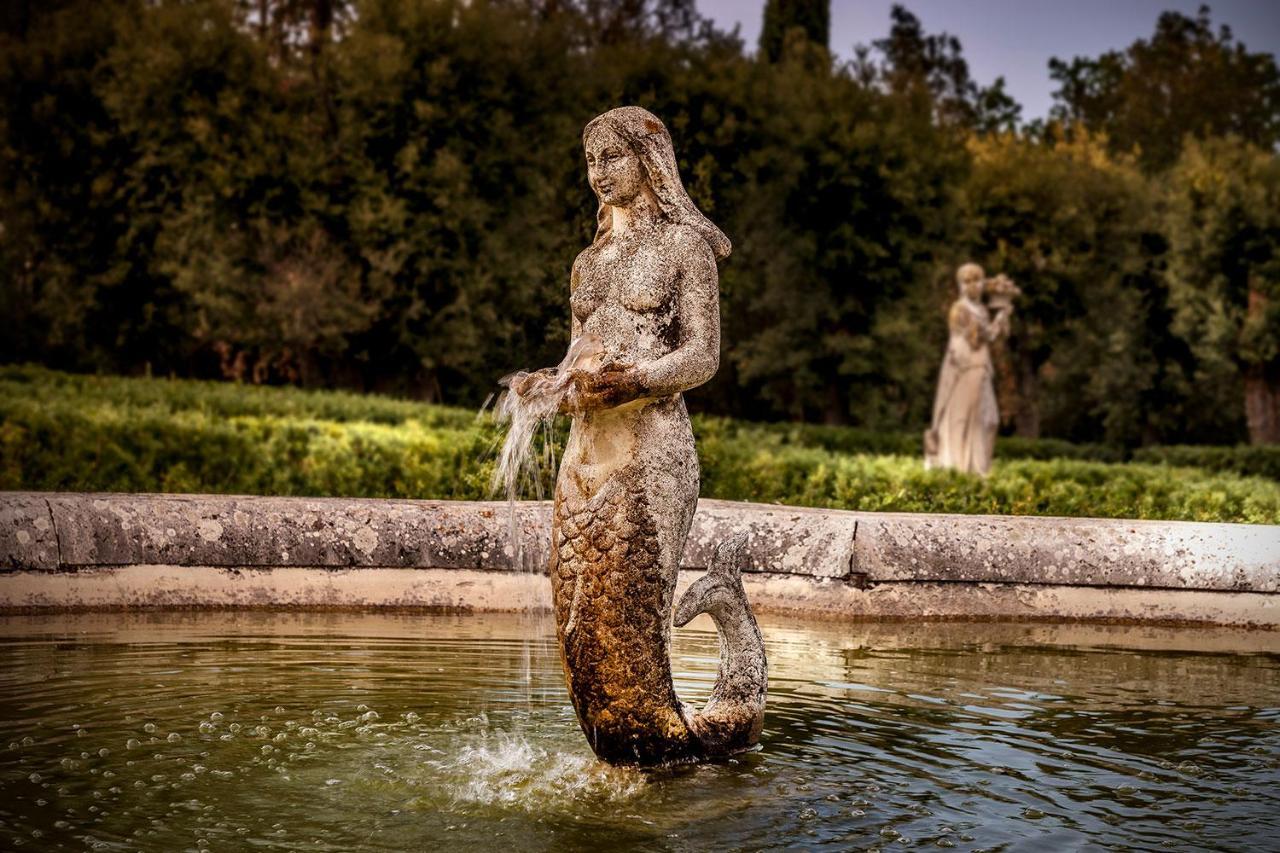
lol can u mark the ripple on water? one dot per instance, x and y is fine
(331, 732)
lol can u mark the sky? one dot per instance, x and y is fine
(1016, 38)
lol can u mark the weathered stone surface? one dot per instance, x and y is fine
(28, 539)
(1068, 551)
(143, 586)
(861, 548)
(213, 530)
(799, 540)
(147, 587)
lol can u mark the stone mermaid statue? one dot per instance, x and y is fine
(645, 296)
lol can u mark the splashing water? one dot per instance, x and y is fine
(530, 405)
(506, 769)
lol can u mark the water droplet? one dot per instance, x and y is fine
(149, 728)
(173, 737)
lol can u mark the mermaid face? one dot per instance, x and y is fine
(613, 169)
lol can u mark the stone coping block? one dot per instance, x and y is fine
(27, 537)
(62, 532)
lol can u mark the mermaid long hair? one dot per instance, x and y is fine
(649, 139)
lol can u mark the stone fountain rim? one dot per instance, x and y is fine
(105, 551)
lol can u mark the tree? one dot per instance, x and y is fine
(1223, 223)
(1185, 80)
(1069, 224)
(75, 290)
(933, 68)
(843, 196)
(812, 18)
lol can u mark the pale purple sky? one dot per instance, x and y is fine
(1016, 38)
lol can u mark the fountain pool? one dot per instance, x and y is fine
(215, 730)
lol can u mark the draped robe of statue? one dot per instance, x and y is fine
(965, 414)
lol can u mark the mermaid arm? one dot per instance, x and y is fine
(697, 355)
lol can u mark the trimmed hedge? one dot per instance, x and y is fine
(1248, 459)
(226, 399)
(60, 432)
(837, 439)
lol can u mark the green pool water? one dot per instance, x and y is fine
(327, 731)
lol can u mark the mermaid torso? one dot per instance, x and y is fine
(624, 501)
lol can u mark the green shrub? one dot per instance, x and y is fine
(38, 384)
(1248, 459)
(839, 439)
(77, 433)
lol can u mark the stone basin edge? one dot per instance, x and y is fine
(76, 550)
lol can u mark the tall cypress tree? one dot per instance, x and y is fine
(812, 17)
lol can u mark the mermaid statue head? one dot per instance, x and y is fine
(648, 141)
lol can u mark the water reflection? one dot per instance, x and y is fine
(328, 731)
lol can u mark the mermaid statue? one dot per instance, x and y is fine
(646, 327)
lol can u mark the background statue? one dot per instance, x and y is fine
(646, 294)
(965, 415)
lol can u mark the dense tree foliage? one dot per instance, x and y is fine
(1223, 221)
(1186, 80)
(388, 194)
(932, 67)
(811, 17)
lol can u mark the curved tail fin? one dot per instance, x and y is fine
(724, 575)
(732, 718)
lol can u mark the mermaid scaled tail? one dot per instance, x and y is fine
(734, 714)
(612, 600)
